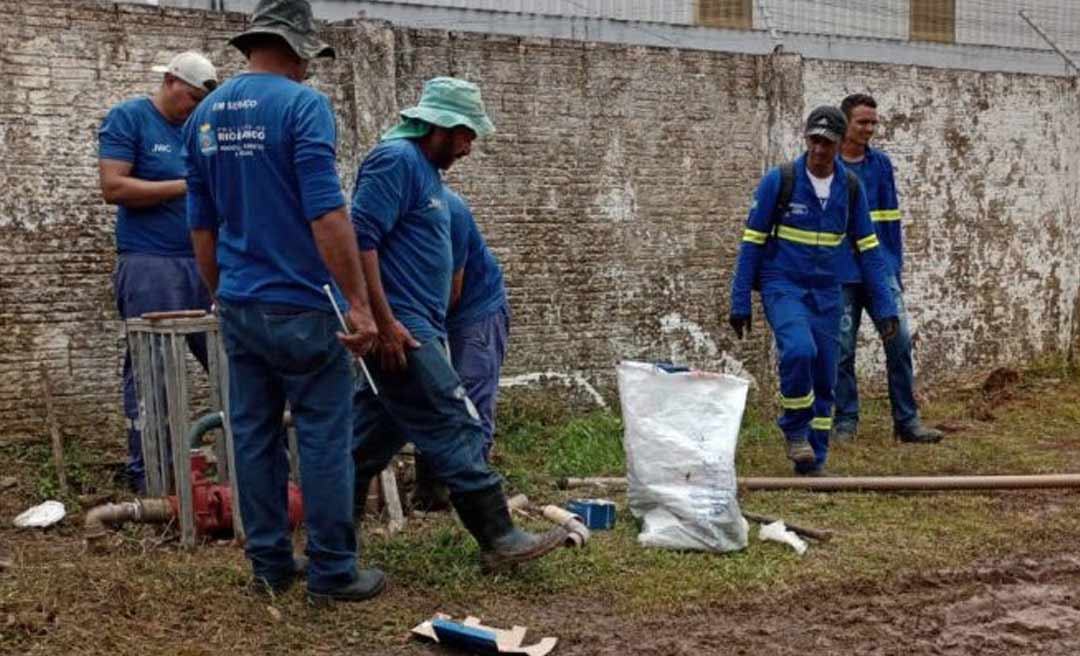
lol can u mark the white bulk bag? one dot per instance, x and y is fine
(681, 430)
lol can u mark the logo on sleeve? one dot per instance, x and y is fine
(207, 140)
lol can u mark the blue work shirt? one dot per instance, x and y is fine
(399, 210)
(803, 249)
(875, 171)
(482, 291)
(136, 132)
(261, 168)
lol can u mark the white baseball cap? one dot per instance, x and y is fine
(193, 68)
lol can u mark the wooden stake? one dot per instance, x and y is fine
(54, 431)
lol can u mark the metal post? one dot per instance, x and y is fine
(1066, 56)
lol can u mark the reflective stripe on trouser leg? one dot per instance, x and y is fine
(826, 327)
(789, 317)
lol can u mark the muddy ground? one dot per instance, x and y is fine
(145, 596)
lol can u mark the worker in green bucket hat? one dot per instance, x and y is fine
(403, 224)
(446, 103)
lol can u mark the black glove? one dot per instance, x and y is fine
(888, 328)
(739, 323)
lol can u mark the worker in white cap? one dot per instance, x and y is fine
(142, 173)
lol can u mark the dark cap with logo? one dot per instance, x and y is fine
(289, 19)
(826, 121)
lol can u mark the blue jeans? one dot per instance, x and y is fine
(154, 283)
(804, 326)
(477, 352)
(278, 353)
(426, 404)
(898, 365)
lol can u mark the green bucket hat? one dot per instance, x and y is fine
(289, 19)
(446, 102)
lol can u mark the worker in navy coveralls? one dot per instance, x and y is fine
(793, 255)
(875, 171)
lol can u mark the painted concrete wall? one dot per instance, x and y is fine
(614, 192)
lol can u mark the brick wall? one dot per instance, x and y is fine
(613, 191)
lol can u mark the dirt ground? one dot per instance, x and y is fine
(145, 596)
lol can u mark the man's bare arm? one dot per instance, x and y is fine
(119, 187)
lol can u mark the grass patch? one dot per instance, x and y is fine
(147, 598)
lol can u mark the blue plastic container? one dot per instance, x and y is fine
(599, 514)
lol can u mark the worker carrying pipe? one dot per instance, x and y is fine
(805, 217)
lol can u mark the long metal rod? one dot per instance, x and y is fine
(345, 327)
(874, 483)
(1066, 56)
(892, 483)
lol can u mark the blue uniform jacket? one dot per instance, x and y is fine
(875, 172)
(803, 250)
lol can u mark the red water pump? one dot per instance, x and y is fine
(213, 502)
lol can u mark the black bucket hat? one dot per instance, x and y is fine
(289, 19)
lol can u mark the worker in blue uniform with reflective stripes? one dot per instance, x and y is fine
(804, 218)
(875, 171)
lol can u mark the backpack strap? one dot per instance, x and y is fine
(853, 186)
(787, 187)
(783, 196)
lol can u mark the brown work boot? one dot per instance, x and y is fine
(485, 515)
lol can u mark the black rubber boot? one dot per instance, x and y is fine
(485, 515)
(368, 584)
(919, 433)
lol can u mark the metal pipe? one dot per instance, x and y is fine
(896, 483)
(1046, 37)
(872, 483)
(202, 426)
(596, 481)
(149, 511)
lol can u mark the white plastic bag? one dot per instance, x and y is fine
(41, 516)
(681, 430)
(778, 532)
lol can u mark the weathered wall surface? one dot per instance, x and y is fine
(614, 191)
(989, 183)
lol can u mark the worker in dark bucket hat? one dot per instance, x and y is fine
(270, 230)
(289, 19)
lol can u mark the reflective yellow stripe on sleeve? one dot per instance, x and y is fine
(885, 215)
(754, 237)
(821, 423)
(809, 237)
(797, 403)
(866, 243)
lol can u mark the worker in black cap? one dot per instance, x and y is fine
(805, 217)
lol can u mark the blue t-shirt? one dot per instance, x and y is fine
(261, 168)
(482, 292)
(135, 131)
(875, 171)
(400, 210)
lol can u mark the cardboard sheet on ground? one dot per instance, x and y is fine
(505, 641)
